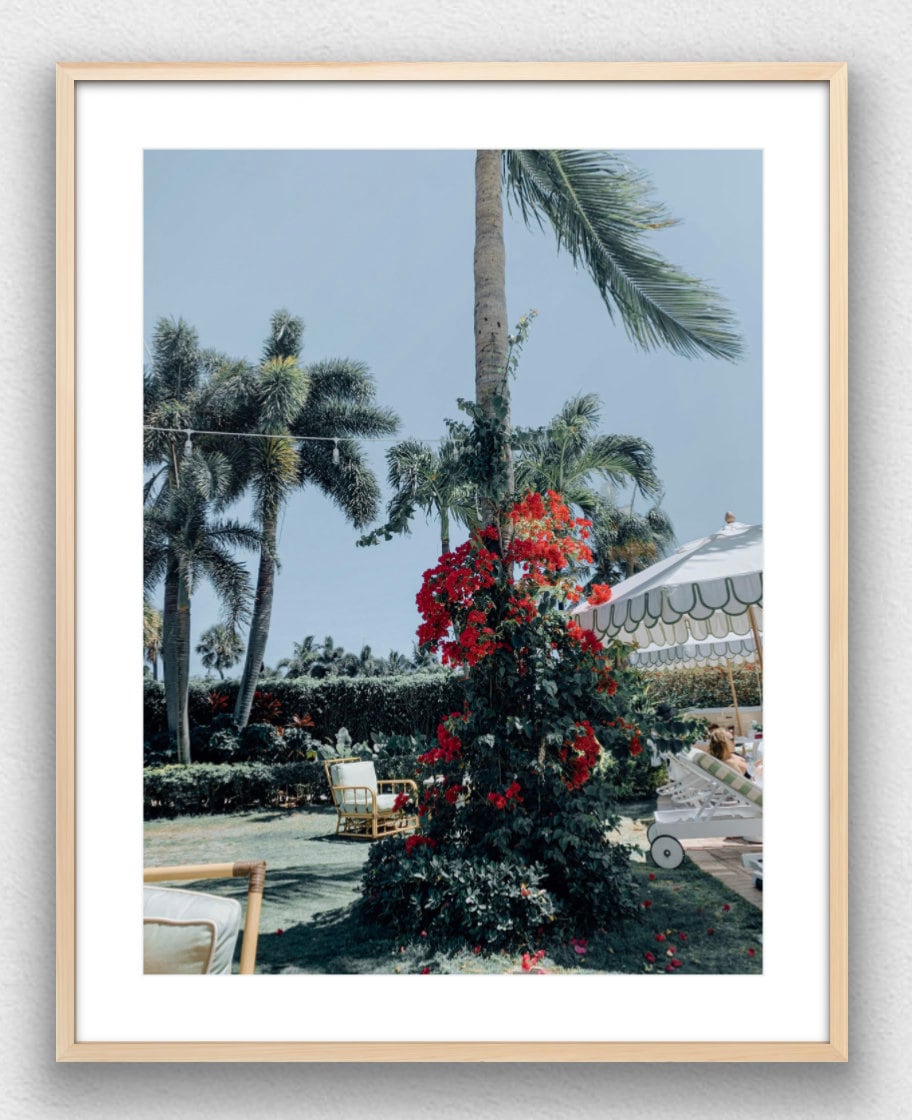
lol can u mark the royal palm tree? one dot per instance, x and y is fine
(220, 648)
(270, 467)
(180, 536)
(602, 214)
(331, 398)
(170, 406)
(572, 458)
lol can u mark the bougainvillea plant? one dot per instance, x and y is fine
(513, 818)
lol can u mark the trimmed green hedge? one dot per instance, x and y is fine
(706, 687)
(411, 704)
(236, 787)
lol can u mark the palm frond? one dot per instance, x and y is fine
(602, 213)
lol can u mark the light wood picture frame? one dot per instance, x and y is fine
(71, 1045)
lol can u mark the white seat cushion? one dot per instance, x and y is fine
(354, 774)
(362, 804)
(188, 932)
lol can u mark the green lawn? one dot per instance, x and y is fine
(312, 882)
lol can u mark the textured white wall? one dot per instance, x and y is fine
(872, 38)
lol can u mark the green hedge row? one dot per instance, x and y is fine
(706, 687)
(411, 704)
(203, 787)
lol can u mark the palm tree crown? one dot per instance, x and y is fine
(571, 457)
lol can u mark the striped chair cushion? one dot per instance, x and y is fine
(730, 777)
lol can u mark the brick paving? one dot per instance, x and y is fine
(722, 858)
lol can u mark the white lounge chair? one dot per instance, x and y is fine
(710, 799)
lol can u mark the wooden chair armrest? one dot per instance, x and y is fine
(393, 782)
(254, 871)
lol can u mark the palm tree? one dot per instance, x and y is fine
(601, 212)
(429, 480)
(569, 456)
(423, 660)
(182, 544)
(152, 636)
(328, 398)
(170, 397)
(271, 468)
(303, 656)
(397, 663)
(625, 542)
(329, 659)
(220, 648)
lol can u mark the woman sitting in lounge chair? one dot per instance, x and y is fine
(721, 747)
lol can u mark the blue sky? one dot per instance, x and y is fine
(374, 251)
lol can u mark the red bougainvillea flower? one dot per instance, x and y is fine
(599, 593)
(652, 876)
(497, 800)
(279, 932)
(726, 907)
(425, 971)
(582, 753)
(413, 842)
(646, 903)
(476, 950)
(751, 952)
(677, 964)
(649, 956)
(668, 968)
(580, 946)
(402, 799)
(660, 937)
(529, 962)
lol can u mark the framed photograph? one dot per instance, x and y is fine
(493, 517)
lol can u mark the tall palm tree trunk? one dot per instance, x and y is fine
(491, 335)
(259, 623)
(183, 670)
(170, 659)
(444, 532)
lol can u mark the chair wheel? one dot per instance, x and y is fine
(667, 852)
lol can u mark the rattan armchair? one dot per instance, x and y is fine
(365, 806)
(191, 931)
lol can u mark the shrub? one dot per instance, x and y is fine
(231, 786)
(260, 742)
(467, 899)
(411, 704)
(703, 687)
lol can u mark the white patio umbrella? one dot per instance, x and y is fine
(737, 649)
(733, 649)
(710, 588)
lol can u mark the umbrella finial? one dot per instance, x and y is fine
(730, 518)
